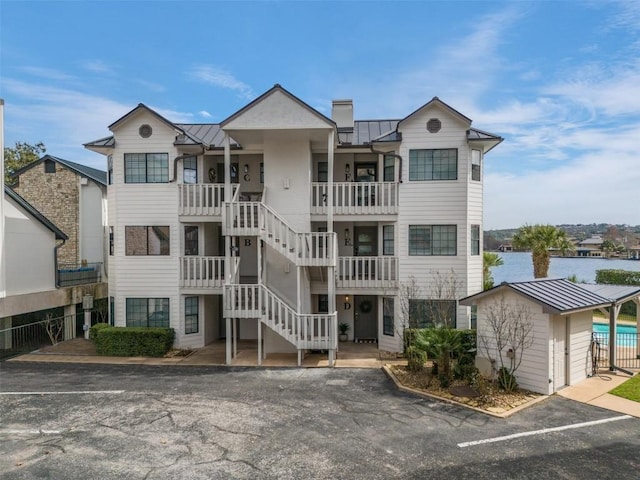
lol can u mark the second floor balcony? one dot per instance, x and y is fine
(201, 199)
(356, 198)
(367, 272)
(71, 274)
(202, 272)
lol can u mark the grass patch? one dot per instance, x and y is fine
(629, 389)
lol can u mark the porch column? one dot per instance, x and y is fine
(613, 317)
(228, 342)
(637, 302)
(227, 199)
(69, 321)
(259, 342)
(235, 337)
(331, 278)
(5, 336)
(298, 289)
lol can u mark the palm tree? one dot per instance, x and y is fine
(489, 260)
(539, 239)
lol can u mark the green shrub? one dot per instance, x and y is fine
(469, 344)
(465, 371)
(506, 380)
(95, 330)
(409, 338)
(617, 277)
(134, 341)
(416, 358)
(444, 379)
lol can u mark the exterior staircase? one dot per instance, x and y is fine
(303, 249)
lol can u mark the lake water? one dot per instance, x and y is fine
(518, 267)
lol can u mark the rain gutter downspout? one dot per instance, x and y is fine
(182, 157)
(393, 154)
(55, 261)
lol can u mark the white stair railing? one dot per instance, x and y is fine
(354, 198)
(201, 198)
(304, 331)
(201, 272)
(367, 272)
(302, 248)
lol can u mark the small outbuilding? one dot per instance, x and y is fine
(561, 315)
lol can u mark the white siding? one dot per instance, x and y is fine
(580, 328)
(29, 251)
(441, 202)
(145, 204)
(535, 370)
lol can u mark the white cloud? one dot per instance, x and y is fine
(47, 73)
(98, 66)
(219, 77)
(204, 113)
(156, 87)
(68, 117)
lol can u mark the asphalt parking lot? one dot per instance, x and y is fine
(65, 421)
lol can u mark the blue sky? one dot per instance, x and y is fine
(560, 81)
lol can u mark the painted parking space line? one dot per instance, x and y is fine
(29, 432)
(543, 431)
(76, 392)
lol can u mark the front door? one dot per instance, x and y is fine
(365, 242)
(559, 353)
(366, 194)
(365, 245)
(365, 318)
(366, 172)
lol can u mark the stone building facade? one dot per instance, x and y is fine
(54, 187)
(56, 195)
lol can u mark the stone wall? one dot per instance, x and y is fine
(56, 196)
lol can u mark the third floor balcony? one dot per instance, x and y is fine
(356, 198)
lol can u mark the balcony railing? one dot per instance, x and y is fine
(201, 272)
(201, 198)
(367, 272)
(350, 198)
(72, 274)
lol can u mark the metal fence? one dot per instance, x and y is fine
(627, 349)
(33, 336)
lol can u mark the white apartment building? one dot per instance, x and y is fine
(279, 223)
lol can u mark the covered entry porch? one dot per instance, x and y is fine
(352, 355)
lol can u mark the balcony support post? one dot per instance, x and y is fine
(259, 342)
(228, 342)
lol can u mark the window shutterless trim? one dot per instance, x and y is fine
(144, 168)
(156, 240)
(433, 164)
(191, 315)
(433, 240)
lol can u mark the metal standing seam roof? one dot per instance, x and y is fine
(98, 176)
(615, 293)
(364, 132)
(60, 235)
(559, 296)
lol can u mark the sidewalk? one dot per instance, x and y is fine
(595, 391)
(80, 350)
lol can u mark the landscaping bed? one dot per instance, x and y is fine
(487, 396)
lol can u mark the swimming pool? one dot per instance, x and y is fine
(626, 335)
(604, 328)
